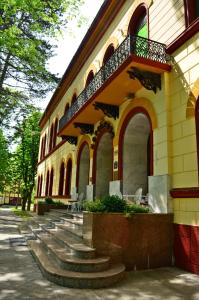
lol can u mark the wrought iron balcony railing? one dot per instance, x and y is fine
(136, 45)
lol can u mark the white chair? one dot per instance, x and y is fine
(77, 203)
(136, 198)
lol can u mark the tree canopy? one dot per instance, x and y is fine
(27, 29)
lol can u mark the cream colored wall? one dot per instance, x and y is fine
(166, 20)
(54, 161)
(186, 211)
(183, 76)
(116, 34)
(174, 136)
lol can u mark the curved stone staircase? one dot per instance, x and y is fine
(56, 242)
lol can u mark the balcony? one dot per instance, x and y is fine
(106, 86)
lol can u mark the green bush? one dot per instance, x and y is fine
(114, 203)
(40, 202)
(106, 204)
(134, 208)
(49, 200)
(94, 206)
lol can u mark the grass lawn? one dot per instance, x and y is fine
(20, 213)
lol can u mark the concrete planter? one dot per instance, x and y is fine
(41, 208)
(141, 241)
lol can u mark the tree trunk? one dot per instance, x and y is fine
(4, 71)
(24, 200)
(29, 202)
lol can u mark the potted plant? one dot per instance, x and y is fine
(128, 233)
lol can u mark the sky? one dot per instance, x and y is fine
(69, 42)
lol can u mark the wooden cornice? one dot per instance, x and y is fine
(101, 23)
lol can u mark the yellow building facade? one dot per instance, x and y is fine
(126, 115)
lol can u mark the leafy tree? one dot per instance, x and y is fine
(4, 158)
(26, 155)
(27, 29)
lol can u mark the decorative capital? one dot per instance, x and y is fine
(85, 128)
(111, 111)
(70, 139)
(149, 80)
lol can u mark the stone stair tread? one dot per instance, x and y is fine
(64, 256)
(69, 240)
(69, 213)
(54, 269)
(69, 227)
(72, 221)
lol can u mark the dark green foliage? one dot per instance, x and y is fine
(27, 31)
(134, 208)
(114, 203)
(49, 200)
(94, 206)
(4, 164)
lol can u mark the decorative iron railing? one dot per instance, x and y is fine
(136, 45)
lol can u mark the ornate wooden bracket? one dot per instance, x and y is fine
(150, 80)
(102, 126)
(70, 139)
(111, 111)
(85, 128)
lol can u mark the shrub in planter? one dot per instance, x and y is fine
(49, 200)
(41, 207)
(94, 206)
(106, 204)
(134, 208)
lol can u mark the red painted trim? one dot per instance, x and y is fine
(183, 37)
(51, 152)
(190, 11)
(99, 136)
(79, 153)
(197, 129)
(129, 116)
(192, 192)
(55, 133)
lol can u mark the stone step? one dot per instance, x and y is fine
(76, 222)
(76, 245)
(72, 215)
(68, 261)
(71, 228)
(72, 279)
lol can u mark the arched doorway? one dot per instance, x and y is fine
(136, 153)
(68, 178)
(61, 179)
(104, 165)
(47, 183)
(51, 182)
(138, 24)
(83, 169)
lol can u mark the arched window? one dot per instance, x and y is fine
(51, 137)
(38, 185)
(68, 178)
(74, 98)
(47, 184)
(191, 8)
(61, 179)
(197, 128)
(41, 149)
(55, 133)
(89, 78)
(109, 52)
(138, 24)
(51, 182)
(44, 146)
(66, 108)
